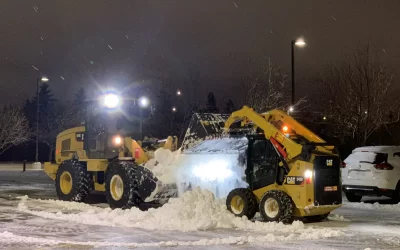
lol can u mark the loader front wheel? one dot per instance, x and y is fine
(72, 181)
(242, 202)
(122, 185)
(276, 206)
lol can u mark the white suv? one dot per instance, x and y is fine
(372, 171)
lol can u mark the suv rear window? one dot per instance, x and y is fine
(366, 157)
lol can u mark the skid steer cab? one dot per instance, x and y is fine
(99, 157)
(290, 171)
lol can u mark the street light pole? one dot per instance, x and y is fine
(143, 103)
(37, 119)
(38, 81)
(141, 123)
(300, 43)
(293, 90)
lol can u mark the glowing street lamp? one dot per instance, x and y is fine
(299, 43)
(173, 109)
(38, 81)
(178, 92)
(143, 102)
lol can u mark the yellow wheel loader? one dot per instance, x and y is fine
(99, 157)
(290, 172)
(121, 178)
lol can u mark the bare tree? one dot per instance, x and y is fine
(58, 119)
(265, 89)
(357, 97)
(14, 128)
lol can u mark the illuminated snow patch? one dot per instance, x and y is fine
(195, 210)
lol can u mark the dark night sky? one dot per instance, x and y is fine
(79, 42)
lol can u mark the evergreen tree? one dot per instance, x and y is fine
(46, 105)
(80, 97)
(79, 104)
(211, 106)
(229, 107)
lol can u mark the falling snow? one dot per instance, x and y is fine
(62, 77)
(41, 38)
(126, 36)
(36, 9)
(333, 18)
(235, 5)
(110, 47)
(33, 66)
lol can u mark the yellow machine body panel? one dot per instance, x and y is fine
(51, 169)
(68, 142)
(301, 191)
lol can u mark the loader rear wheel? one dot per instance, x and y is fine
(122, 185)
(72, 181)
(276, 206)
(242, 202)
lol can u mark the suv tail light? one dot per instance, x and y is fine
(343, 164)
(384, 166)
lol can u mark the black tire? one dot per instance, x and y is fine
(249, 202)
(317, 218)
(127, 172)
(284, 206)
(81, 181)
(352, 197)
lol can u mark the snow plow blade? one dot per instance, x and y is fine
(203, 126)
(164, 192)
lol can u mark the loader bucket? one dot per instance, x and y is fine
(203, 126)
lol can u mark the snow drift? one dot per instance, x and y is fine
(195, 210)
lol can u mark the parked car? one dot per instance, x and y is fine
(372, 171)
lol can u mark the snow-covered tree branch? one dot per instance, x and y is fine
(357, 97)
(266, 89)
(14, 128)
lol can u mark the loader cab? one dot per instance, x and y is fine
(101, 134)
(262, 163)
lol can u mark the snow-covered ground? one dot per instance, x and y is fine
(30, 218)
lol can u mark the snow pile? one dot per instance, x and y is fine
(162, 165)
(195, 210)
(374, 206)
(57, 205)
(337, 217)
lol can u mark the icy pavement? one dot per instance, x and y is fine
(40, 222)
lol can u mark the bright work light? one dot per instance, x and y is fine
(111, 101)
